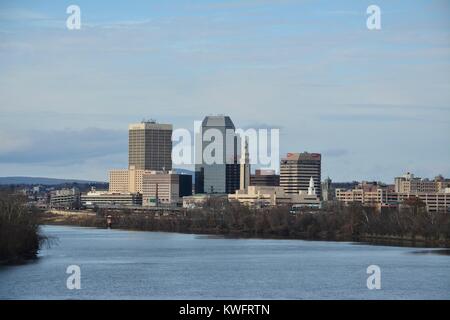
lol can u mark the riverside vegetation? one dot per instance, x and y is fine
(19, 229)
(411, 225)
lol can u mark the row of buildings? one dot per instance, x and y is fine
(150, 180)
(434, 194)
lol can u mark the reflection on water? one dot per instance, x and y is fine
(118, 264)
(445, 252)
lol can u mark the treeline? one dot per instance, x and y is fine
(346, 223)
(19, 229)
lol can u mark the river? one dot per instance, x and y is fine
(121, 264)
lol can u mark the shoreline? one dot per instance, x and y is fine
(92, 221)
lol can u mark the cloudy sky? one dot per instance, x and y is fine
(374, 103)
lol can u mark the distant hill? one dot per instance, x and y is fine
(55, 181)
(41, 180)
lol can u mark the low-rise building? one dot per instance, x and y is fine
(408, 183)
(167, 186)
(442, 184)
(200, 200)
(380, 196)
(106, 199)
(264, 196)
(65, 198)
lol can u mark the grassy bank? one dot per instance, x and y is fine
(20, 239)
(355, 223)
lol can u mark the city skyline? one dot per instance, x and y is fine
(375, 104)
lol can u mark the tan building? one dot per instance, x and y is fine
(160, 188)
(365, 197)
(296, 170)
(408, 183)
(263, 196)
(442, 184)
(385, 196)
(433, 201)
(150, 146)
(123, 180)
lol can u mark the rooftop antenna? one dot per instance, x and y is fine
(150, 120)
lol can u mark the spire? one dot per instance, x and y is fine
(311, 189)
(245, 167)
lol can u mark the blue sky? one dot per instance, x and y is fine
(375, 103)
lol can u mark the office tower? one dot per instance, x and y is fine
(217, 168)
(185, 182)
(160, 188)
(265, 178)
(296, 170)
(327, 190)
(245, 168)
(150, 146)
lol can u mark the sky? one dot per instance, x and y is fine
(375, 103)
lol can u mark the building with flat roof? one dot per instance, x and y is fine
(185, 182)
(408, 183)
(296, 170)
(132, 181)
(266, 196)
(265, 177)
(105, 199)
(150, 146)
(200, 200)
(161, 188)
(126, 180)
(379, 196)
(65, 198)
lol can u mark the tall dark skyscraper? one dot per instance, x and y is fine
(216, 177)
(296, 170)
(150, 146)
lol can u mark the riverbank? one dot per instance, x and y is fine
(189, 224)
(20, 238)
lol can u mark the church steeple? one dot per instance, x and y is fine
(245, 167)
(311, 188)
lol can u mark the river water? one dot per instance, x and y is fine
(120, 264)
